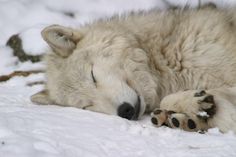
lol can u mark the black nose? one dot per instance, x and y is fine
(126, 111)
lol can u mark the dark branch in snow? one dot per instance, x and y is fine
(16, 44)
(19, 73)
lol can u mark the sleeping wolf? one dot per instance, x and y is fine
(127, 64)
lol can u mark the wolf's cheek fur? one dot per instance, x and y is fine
(62, 41)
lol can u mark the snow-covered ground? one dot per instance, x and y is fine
(28, 130)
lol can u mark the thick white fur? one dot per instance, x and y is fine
(151, 54)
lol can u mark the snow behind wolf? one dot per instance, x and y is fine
(125, 65)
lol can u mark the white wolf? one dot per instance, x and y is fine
(127, 64)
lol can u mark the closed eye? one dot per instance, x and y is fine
(93, 77)
(86, 107)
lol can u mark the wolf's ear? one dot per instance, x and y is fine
(61, 39)
(41, 97)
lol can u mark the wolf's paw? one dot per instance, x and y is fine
(177, 120)
(188, 110)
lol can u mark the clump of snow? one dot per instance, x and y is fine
(203, 114)
(28, 130)
(33, 35)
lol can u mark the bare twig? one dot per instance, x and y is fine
(35, 83)
(19, 73)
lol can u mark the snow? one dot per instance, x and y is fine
(28, 130)
(33, 34)
(203, 114)
(7, 61)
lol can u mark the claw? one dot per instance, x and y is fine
(209, 99)
(211, 111)
(199, 94)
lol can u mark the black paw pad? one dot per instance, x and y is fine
(199, 94)
(209, 99)
(175, 122)
(157, 111)
(191, 124)
(154, 121)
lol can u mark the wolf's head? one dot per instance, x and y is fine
(98, 69)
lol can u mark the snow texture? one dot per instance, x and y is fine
(29, 130)
(203, 114)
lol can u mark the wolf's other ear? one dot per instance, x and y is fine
(41, 97)
(61, 39)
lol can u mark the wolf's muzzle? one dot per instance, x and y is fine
(126, 110)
